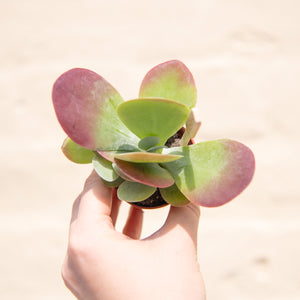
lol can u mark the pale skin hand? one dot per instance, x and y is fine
(103, 264)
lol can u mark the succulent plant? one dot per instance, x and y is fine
(130, 144)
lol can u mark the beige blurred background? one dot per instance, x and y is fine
(245, 57)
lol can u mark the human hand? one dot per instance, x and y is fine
(103, 264)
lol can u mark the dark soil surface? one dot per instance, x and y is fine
(174, 140)
(155, 200)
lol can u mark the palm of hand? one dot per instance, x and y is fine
(102, 263)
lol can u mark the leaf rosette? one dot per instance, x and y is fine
(126, 141)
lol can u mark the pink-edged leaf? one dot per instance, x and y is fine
(109, 155)
(125, 148)
(146, 157)
(146, 173)
(170, 80)
(212, 173)
(120, 173)
(85, 105)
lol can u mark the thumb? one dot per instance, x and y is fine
(93, 206)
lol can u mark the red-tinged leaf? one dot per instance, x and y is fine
(125, 148)
(170, 80)
(120, 173)
(109, 155)
(212, 173)
(85, 105)
(146, 173)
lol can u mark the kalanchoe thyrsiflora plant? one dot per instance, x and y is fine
(128, 142)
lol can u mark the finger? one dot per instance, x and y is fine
(133, 226)
(115, 206)
(93, 206)
(183, 220)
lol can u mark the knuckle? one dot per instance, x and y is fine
(78, 248)
(66, 273)
(92, 180)
(70, 277)
(194, 210)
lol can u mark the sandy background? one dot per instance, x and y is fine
(245, 57)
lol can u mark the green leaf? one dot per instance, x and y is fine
(146, 173)
(134, 191)
(76, 153)
(85, 105)
(170, 80)
(155, 149)
(148, 142)
(128, 148)
(173, 196)
(212, 173)
(153, 117)
(104, 168)
(114, 183)
(146, 157)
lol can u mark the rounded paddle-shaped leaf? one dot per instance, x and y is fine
(148, 142)
(146, 173)
(120, 173)
(153, 117)
(125, 148)
(173, 196)
(76, 153)
(147, 157)
(134, 191)
(104, 168)
(170, 80)
(212, 173)
(109, 155)
(156, 149)
(85, 105)
(114, 183)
